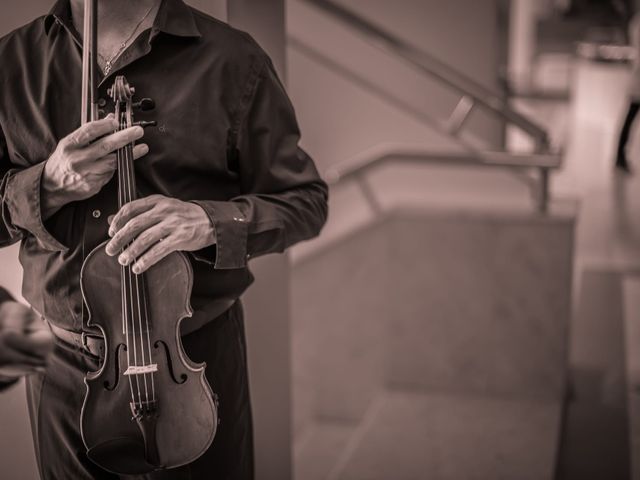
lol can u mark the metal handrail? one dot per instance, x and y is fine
(356, 168)
(392, 152)
(426, 63)
(471, 145)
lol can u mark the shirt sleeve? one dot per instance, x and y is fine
(284, 200)
(5, 296)
(20, 203)
(6, 382)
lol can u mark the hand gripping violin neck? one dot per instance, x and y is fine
(148, 407)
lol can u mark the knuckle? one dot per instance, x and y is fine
(133, 225)
(124, 211)
(164, 203)
(106, 147)
(70, 141)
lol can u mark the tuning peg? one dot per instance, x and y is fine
(145, 104)
(144, 124)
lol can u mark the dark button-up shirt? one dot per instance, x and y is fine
(5, 297)
(226, 138)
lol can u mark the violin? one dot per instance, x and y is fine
(148, 407)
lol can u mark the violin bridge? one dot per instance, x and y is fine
(141, 369)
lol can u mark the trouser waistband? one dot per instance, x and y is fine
(84, 341)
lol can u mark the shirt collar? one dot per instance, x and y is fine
(174, 17)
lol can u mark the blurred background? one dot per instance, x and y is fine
(472, 307)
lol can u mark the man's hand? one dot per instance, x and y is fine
(25, 341)
(153, 227)
(84, 162)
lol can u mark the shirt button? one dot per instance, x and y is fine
(102, 102)
(96, 213)
(101, 113)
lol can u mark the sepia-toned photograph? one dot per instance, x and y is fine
(319, 240)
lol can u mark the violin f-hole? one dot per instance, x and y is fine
(167, 355)
(116, 369)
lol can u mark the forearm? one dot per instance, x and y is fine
(53, 195)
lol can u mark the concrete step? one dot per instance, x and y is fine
(437, 436)
(468, 302)
(317, 452)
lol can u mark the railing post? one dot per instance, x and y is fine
(460, 114)
(369, 195)
(543, 199)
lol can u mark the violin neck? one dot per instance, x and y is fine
(126, 176)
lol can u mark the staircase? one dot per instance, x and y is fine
(433, 342)
(430, 318)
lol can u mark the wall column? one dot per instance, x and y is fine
(522, 43)
(267, 301)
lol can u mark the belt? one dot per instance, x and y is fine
(83, 341)
(94, 344)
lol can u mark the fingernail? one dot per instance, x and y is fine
(145, 148)
(111, 232)
(136, 269)
(139, 131)
(123, 260)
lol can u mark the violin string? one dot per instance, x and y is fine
(140, 292)
(142, 352)
(146, 319)
(133, 333)
(130, 285)
(125, 303)
(130, 181)
(141, 288)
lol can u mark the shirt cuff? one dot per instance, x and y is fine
(23, 200)
(230, 224)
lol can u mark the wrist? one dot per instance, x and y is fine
(208, 231)
(52, 193)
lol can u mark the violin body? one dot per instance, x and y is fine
(148, 407)
(180, 424)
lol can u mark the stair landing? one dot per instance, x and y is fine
(435, 436)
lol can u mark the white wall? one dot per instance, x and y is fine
(340, 119)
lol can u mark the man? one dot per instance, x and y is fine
(25, 343)
(223, 176)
